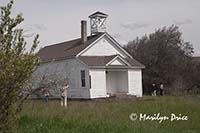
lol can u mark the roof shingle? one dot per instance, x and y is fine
(65, 49)
(96, 60)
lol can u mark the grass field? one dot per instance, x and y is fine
(110, 115)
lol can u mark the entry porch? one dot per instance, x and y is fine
(116, 81)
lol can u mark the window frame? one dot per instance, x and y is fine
(90, 80)
(83, 78)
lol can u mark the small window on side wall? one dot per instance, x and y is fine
(83, 83)
(90, 81)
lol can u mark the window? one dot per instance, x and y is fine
(90, 81)
(83, 78)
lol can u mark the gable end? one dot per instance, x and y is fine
(104, 46)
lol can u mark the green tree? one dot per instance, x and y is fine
(16, 66)
(166, 55)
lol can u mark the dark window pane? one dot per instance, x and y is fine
(82, 74)
(90, 80)
(83, 82)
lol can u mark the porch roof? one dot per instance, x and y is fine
(102, 61)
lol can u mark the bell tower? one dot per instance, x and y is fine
(98, 22)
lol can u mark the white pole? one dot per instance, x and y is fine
(61, 101)
(65, 99)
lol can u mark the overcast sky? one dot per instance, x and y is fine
(58, 21)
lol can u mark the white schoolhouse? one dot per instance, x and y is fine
(95, 66)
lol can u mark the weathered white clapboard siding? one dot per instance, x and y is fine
(103, 47)
(98, 83)
(135, 82)
(67, 69)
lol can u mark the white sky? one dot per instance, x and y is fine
(58, 21)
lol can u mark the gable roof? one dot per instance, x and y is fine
(65, 49)
(72, 48)
(117, 61)
(120, 58)
(98, 13)
(102, 61)
(134, 63)
(96, 60)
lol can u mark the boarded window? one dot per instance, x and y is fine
(83, 78)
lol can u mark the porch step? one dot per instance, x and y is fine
(122, 95)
